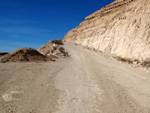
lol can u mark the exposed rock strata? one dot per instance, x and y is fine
(121, 29)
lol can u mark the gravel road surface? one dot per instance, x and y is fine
(86, 82)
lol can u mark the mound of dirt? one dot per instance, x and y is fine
(53, 48)
(23, 54)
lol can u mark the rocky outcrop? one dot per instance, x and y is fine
(1, 54)
(120, 29)
(53, 49)
(23, 55)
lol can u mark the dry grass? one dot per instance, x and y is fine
(146, 63)
(124, 60)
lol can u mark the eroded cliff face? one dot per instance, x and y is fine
(121, 29)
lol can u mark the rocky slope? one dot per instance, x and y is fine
(120, 29)
(53, 49)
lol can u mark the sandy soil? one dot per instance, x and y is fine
(84, 83)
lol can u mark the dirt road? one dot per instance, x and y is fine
(84, 83)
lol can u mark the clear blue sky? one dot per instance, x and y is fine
(32, 23)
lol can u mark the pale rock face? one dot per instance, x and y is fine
(120, 29)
